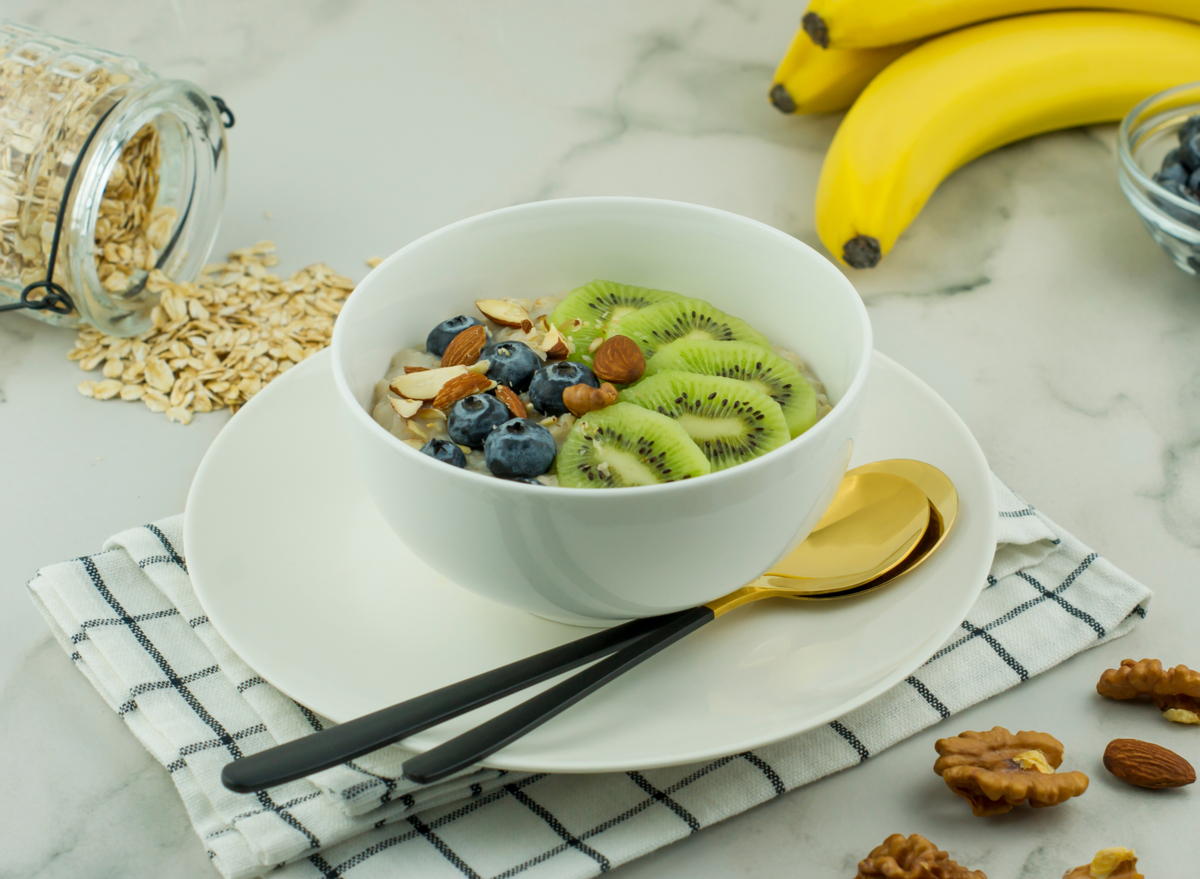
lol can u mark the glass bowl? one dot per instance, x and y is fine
(1147, 134)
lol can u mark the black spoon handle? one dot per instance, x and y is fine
(487, 738)
(371, 732)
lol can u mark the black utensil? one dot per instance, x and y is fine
(487, 738)
(343, 742)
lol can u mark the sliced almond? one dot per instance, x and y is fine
(425, 385)
(480, 367)
(503, 311)
(417, 429)
(555, 345)
(526, 326)
(465, 347)
(409, 370)
(509, 398)
(404, 407)
(461, 386)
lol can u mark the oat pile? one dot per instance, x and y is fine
(218, 341)
(50, 104)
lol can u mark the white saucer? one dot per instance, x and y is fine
(307, 583)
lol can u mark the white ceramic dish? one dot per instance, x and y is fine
(590, 555)
(304, 579)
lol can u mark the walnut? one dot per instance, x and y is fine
(1176, 691)
(912, 858)
(1109, 863)
(997, 770)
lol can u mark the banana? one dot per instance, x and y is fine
(965, 93)
(857, 24)
(814, 80)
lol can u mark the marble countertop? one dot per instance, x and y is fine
(1027, 294)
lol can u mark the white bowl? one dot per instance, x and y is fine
(591, 556)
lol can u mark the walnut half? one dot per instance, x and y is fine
(1109, 863)
(1176, 691)
(997, 770)
(912, 858)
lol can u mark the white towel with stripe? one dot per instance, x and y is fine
(130, 621)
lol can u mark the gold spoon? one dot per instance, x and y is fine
(880, 525)
(943, 501)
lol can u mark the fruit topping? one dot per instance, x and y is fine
(619, 359)
(581, 399)
(504, 312)
(548, 383)
(512, 363)
(775, 376)
(441, 335)
(729, 420)
(424, 385)
(587, 311)
(464, 348)
(626, 445)
(658, 325)
(519, 447)
(472, 418)
(445, 451)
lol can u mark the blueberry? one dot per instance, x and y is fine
(1189, 153)
(1171, 158)
(519, 447)
(439, 337)
(549, 382)
(472, 418)
(512, 363)
(1190, 127)
(1175, 173)
(1174, 210)
(1193, 183)
(445, 451)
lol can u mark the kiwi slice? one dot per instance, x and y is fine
(597, 304)
(775, 376)
(731, 421)
(623, 445)
(657, 325)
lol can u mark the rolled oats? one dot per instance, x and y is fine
(216, 342)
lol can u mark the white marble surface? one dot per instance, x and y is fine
(1027, 294)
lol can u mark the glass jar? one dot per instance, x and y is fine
(148, 188)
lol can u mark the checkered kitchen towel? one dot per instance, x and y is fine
(129, 619)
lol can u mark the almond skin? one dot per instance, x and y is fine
(1146, 764)
(409, 370)
(459, 387)
(509, 398)
(581, 398)
(464, 348)
(619, 360)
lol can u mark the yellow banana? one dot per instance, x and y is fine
(856, 24)
(814, 80)
(962, 94)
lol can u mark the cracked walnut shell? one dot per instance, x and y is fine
(997, 770)
(1176, 691)
(912, 858)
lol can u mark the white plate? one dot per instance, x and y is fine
(307, 584)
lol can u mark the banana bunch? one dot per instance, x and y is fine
(927, 99)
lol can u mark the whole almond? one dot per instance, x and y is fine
(509, 398)
(1146, 764)
(459, 387)
(620, 360)
(464, 348)
(582, 398)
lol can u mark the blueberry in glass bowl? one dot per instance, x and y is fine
(1158, 149)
